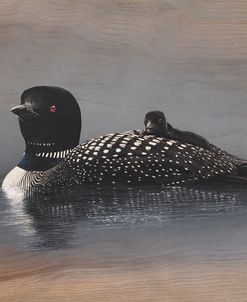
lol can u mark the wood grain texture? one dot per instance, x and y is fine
(121, 58)
(37, 278)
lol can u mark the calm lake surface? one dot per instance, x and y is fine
(124, 244)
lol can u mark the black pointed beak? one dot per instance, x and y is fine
(24, 113)
(150, 126)
(18, 109)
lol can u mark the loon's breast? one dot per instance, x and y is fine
(21, 178)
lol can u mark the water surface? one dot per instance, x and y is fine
(165, 240)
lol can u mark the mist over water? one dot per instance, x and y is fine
(119, 65)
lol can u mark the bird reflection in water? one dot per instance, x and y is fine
(53, 217)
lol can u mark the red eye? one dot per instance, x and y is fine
(53, 109)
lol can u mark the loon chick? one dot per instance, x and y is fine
(50, 123)
(155, 124)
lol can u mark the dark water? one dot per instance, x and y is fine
(204, 222)
(124, 244)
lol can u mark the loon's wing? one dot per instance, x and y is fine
(227, 156)
(240, 163)
(131, 159)
(197, 140)
(187, 137)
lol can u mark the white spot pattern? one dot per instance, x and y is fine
(128, 158)
(143, 160)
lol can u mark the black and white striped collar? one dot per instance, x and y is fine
(54, 154)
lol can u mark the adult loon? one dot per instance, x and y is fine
(50, 123)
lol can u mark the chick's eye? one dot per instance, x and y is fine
(53, 108)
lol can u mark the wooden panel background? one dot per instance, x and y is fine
(121, 58)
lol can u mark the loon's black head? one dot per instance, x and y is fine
(50, 121)
(155, 123)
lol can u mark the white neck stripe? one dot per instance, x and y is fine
(43, 144)
(56, 154)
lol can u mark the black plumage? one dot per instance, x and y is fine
(51, 125)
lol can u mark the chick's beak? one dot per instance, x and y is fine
(149, 126)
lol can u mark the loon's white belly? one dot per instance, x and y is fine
(20, 178)
(14, 178)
